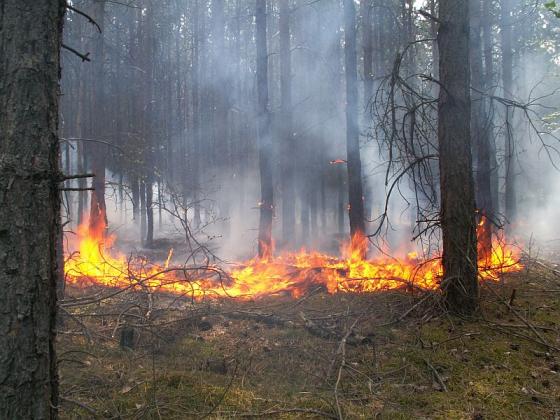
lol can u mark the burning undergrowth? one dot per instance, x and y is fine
(96, 263)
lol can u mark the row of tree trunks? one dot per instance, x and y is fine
(30, 40)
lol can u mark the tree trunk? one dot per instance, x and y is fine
(355, 192)
(366, 8)
(82, 182)
(197, 117)
(150, 213)
(479, 127)
(487, 37)
(30, 39)
(265, 144)
(460, 283)
(97, 215)
(143, 211)
(135, 186)
(507, 76)
(287, 134)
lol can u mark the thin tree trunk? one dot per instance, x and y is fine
(30, 39)
(82, 183)
(265, 144)
(489, 78)
(150, 213)
(135, 186)
(197, 118)
(507, 76)
(355, 190)
(98, 216)
(143, 211)
(366, 8)
(458, 224)
(288, 140)
(480, 133)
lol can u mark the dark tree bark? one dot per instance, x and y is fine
(150, 213)
(489, 77)
(460, 282)
(288, 140)
(30, 39)
(507, 79)
(366, 10)
(82, 183)
(97, 215)
(479, 127)
(265, 144)
(143, 212)
(355, 191)
(433, 33)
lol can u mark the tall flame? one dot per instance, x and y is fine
(95, 263)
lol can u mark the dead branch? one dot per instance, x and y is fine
(84, 57)
(88, 17)
(436, 375)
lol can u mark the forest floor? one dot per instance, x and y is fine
(394, 355)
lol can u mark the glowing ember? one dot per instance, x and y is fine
(289, 273)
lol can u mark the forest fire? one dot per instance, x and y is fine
(95, 263)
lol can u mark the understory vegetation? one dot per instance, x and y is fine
(395, 355)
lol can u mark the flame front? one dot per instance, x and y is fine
(289, 273)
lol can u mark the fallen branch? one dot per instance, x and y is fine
(436, 375)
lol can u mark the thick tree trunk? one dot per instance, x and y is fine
(30, 39)
(479, 127)
(355, 191)
(507, 78)
(460, 282)
(288, 140)
(265, 144)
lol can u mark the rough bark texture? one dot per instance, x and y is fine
(460, 283)
(355, 191)
(480, 132)
(30, 39)
(265, 145)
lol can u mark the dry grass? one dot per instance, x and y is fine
(227, 359)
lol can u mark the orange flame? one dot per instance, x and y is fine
(289, 273)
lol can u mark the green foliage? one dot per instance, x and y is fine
(553, 7)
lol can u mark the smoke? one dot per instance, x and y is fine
(196, 132)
